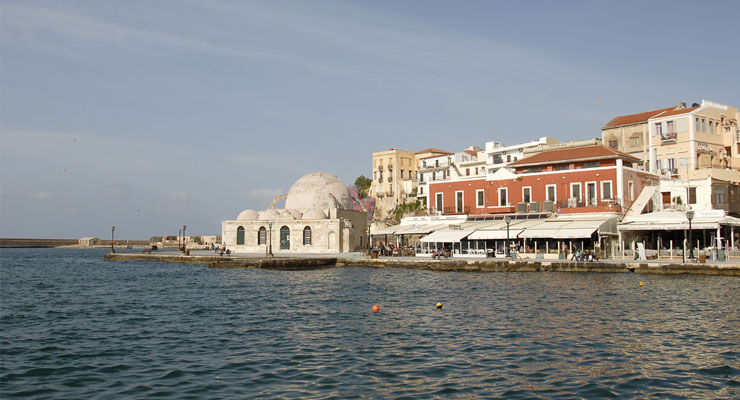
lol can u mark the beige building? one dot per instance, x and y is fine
(394, 179)
(318, 218)
(677, 141)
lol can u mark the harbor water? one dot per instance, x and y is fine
(75, 326)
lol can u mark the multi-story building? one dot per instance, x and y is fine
(571, 180)
(676, 141)
(498, 155)
(438, 165)
(394, 179)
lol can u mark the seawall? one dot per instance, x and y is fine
(305, 263)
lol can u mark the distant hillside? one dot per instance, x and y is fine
(36, 243)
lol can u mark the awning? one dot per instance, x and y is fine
(669, 220)
(447, 235)
(565, 228)
(497, 229)
(418, 229)
(385, 231)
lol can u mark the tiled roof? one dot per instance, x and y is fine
(571, 154)
(677, 112)
(433, 150)
(471, 152)
(636, 118)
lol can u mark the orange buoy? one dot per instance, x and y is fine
(376, 308)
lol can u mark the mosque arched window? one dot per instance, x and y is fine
(307, 235)
(240, 235)
(262, 236)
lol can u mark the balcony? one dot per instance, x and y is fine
(668, 137)
(380, 167)
(390, 179)
(456, 210)
(380, 180)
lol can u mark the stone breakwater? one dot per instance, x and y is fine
(306, 263)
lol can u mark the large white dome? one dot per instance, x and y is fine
(313, 192)
(248, 215)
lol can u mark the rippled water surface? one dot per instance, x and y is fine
(75, 326)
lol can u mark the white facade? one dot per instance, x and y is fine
(498, 155)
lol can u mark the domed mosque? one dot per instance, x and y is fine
(318, 217)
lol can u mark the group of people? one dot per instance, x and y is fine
(386, 250)
(585, 255)
(220, 249)
(443, 252)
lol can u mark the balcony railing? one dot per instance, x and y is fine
(456, 210)
(668, 136)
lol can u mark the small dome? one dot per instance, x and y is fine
(268, 215)
(295, 213)
(316, 190)
(248, 215)
(314, 214)
(284, 215)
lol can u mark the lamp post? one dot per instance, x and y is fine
(507, 219)
(183, 238)
(112, 240)
(179, 239)
(690, 216)
(270, 247)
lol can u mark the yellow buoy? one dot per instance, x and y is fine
(640, 283)
(439, 305)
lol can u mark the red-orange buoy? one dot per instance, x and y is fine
(376, 308)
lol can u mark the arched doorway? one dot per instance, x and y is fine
(284, 238)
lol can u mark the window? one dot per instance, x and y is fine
(591, 164)
(527, 194)
(561, 167)
(591, 193)
(240, 235)
(631, 186)
(711, 127)
(719, 196)
(669, 127)
(613, 144)
(703, 125)
(635, 141)
(535, 169)
(551, 193)
(503, 197)
(467, 171)
(459, 201)
(692, 195)
(262, 236)
(575, 191)
(402, 174)
(658, 129)
(479, 196)
(434, 176)
(658, 165)
(307, 236)
(606, 190)
(671, 163)
(508, 158)
(439, 203)
(390, 189)
(436, 163)
(698, 125)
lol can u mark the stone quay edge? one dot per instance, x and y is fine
(471, 265)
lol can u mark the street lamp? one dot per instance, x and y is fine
(112, 240)
(507, 219)
(690, 216)
(183, 238)
(179, 239)
(270, 247)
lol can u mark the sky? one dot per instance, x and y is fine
(151, 115)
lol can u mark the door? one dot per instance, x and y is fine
(666, 198)
(591, 193)
(284, 238)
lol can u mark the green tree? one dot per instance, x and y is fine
(363, 184)
(400, 210)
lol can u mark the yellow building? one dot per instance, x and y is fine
(394, 175)
(677, 141)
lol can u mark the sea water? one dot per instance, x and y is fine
(75, 326)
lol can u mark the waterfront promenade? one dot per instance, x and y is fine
(458, 263)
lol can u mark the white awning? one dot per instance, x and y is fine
(497, 230)
(669, 220)
(565, 228)
(418, 229)
(385, 231)
(447, 236)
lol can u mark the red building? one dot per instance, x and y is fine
(572, 180)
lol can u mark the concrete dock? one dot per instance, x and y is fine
(454, 264)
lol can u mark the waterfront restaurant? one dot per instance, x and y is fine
(666, 230)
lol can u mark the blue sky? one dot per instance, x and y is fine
(150, 115)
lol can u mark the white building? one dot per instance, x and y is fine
(317, 218)
(498, 155)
